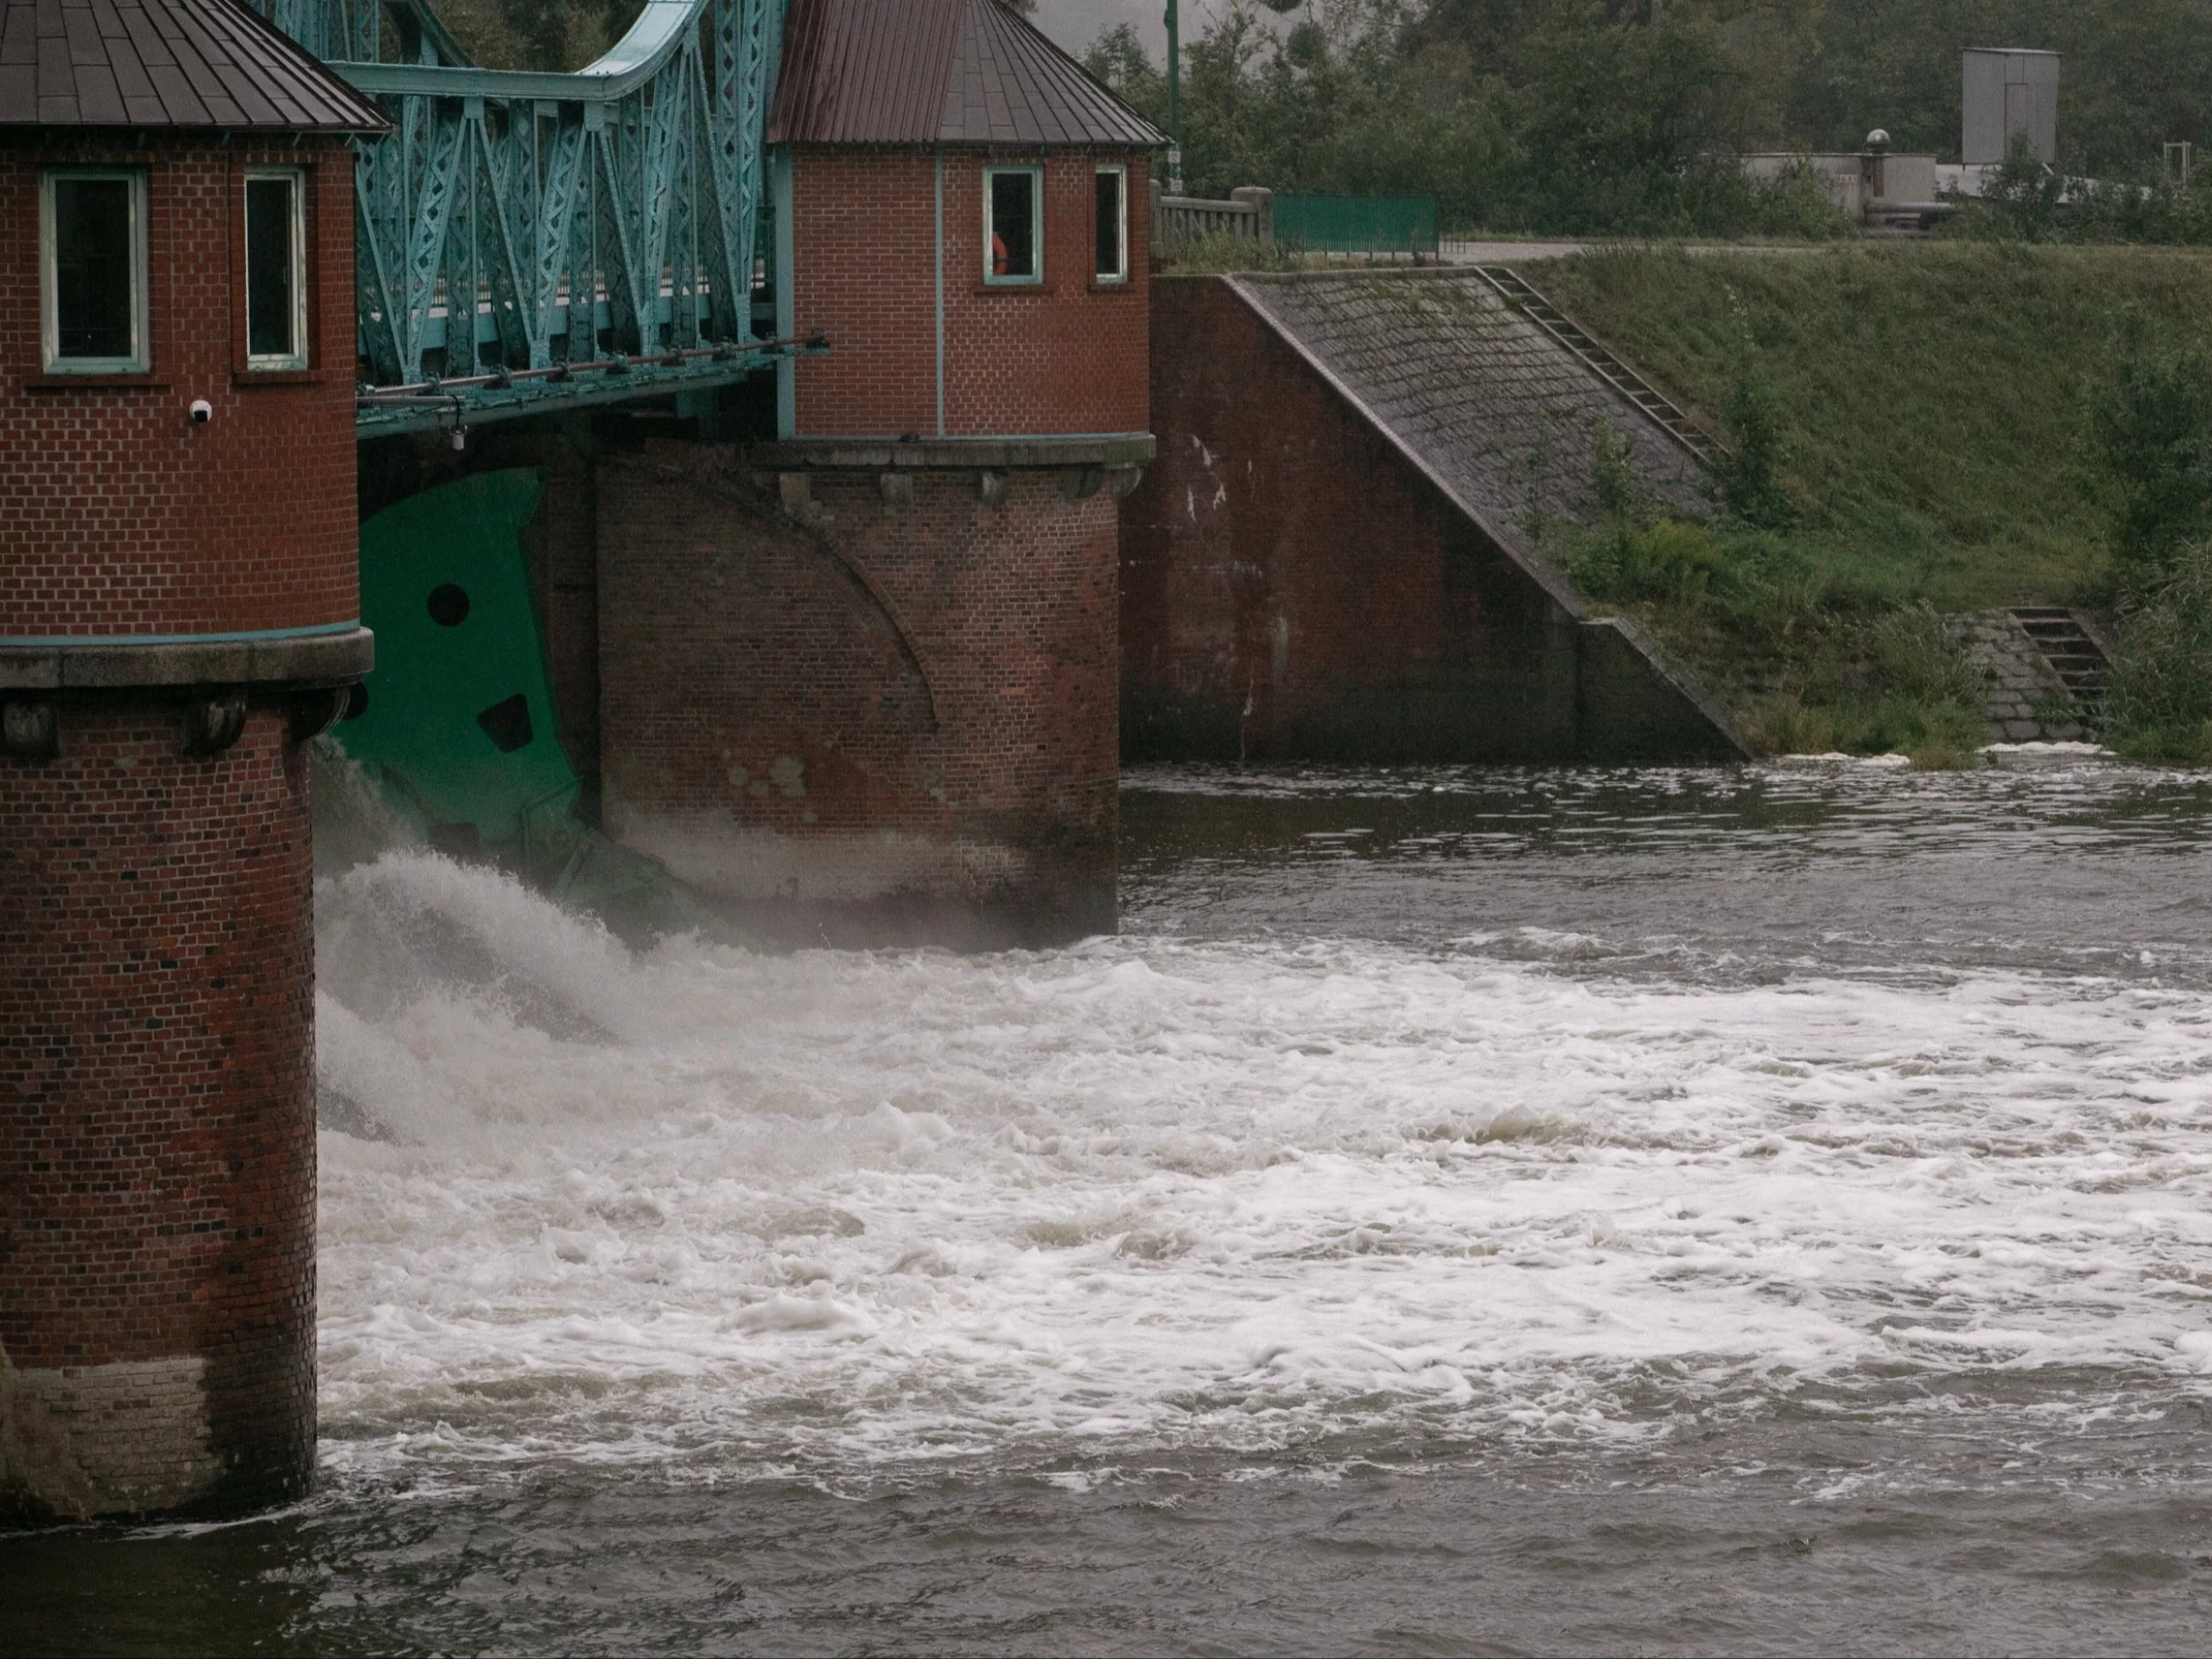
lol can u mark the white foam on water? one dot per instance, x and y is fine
(831, 1208)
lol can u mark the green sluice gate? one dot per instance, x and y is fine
(457, 726)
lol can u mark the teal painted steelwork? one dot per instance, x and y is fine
(435, 407)
(516, 221)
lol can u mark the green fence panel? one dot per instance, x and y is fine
(1356, 224)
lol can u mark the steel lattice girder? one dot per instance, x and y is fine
(516, 220)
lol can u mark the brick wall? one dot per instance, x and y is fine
(867, 722)
(157, 1124)
(121, 517)
(1291, 587)
(1066, 356)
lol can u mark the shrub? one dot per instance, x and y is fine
(2158, 703)
(2019, 203)
(2151, 425)
(1796, 204)
(2165, 212)
(1673, 562)
(1220, 251)
(1916, 660)
(1749, 476)
(1619, 491)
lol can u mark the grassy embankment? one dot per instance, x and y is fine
(1928, 416)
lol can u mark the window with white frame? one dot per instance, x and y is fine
(1110, 240)
(92, 270)
(276, 269)
(1013, 225)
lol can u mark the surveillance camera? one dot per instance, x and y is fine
(203, 411)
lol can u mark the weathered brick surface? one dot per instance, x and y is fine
(157, 1152)
(1066, 356)
(1292, 586)
(128, 1437)
(882, 722)
(157, 1135)
(122, 516)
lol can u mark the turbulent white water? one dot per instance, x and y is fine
(706, 1207)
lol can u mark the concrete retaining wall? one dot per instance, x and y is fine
(1304, 579)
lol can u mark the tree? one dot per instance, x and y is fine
(1626, 117)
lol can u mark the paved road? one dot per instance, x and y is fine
(1524, 252)
(1507, 253)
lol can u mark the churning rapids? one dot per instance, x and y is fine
(1463, 1211)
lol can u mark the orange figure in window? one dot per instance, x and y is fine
(999, 259)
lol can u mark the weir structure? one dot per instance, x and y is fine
(1340, 555)
(829, 633)
(188, 366)
(850, 669)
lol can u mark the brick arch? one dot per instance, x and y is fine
(774, 687)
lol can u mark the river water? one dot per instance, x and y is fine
(1464, 1211)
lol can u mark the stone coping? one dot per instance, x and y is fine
(315, 659)
(954, 454)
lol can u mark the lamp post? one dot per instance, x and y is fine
(1174, 100)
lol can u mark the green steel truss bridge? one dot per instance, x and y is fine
(529, 242)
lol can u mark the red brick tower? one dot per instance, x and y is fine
(884, 704)
(178, 611)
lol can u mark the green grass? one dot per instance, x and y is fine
(1931, 406)
(1931, 395)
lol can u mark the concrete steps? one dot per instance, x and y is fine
(2045, 669)
(2069, 648)
(1518, 292)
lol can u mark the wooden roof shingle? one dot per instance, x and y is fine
(162, 63)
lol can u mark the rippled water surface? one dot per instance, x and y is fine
(1464, 1211)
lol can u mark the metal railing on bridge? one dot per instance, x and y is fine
(1178, 221)
(541, 238)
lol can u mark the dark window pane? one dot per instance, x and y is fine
(1013, 224)
(94, 272)
(1109, 239)
(271, 307)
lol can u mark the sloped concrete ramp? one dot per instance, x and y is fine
(1336, 557)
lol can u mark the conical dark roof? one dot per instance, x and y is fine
(912, 71)
(162, 63)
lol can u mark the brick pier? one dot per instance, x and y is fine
(178, 613)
